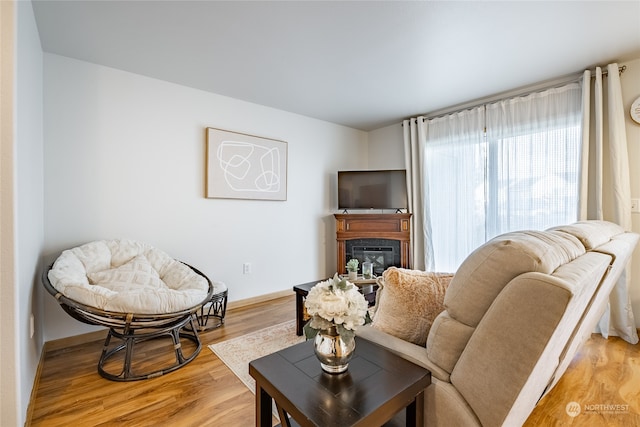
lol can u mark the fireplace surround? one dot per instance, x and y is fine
(383, 239)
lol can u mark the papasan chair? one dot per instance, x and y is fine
(137, 291)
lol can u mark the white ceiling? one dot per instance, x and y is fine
(357, 63)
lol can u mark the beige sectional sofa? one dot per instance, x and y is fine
(514, 315)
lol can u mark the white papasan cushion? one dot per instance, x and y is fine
(126, 276)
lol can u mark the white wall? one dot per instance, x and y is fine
(125, 158)
(386, 150)
(22, 207)
(29, 196)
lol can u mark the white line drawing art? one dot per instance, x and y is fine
(249, 167)
(241, 166)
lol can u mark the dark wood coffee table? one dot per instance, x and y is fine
(368, 289)
(377, 385)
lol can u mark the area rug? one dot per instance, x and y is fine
(236, 353)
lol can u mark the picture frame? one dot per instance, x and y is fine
(243, 166)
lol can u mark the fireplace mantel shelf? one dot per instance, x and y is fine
(373, 226)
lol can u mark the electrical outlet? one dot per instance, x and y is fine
(246, 268)
(635, 205)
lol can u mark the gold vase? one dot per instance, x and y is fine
(333, 351)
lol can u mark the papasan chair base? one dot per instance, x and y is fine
(130, 332)
(129, 337)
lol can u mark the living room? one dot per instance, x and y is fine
(101, 152)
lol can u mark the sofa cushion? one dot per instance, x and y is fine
(488, 269)
(409, 301)
(447, 340)
(136, 273)
(97, 273)
(592, 233)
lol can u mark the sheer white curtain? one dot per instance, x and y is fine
(509, 165)
(414, 138)
(454, 175)
(605, 184)
(534, 146)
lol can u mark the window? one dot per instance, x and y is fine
(510, 165)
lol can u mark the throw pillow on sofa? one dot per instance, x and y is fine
(408, 302)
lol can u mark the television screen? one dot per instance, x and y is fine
(373, 189)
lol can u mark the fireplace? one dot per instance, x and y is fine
(383, 253)
(382, 239)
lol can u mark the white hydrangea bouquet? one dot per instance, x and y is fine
(336, 302)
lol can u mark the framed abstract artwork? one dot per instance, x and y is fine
(242, 166)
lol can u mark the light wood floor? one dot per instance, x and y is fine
(69, 391)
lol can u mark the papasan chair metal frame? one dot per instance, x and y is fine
(132, 328)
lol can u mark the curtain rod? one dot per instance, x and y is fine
(546, 84)
(606, 72)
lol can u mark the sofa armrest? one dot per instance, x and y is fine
(515, 349)
(409, 351)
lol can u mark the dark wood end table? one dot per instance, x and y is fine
(377, 385)
(367, 289)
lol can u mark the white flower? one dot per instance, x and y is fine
(336, 302)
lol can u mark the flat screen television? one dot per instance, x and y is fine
(372, 189)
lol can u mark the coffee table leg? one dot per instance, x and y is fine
(415, 412)
(284, 418)
(299, 313)
(263, 407)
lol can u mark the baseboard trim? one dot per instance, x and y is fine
(259, 299)
(34, 388)
(74, 340)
